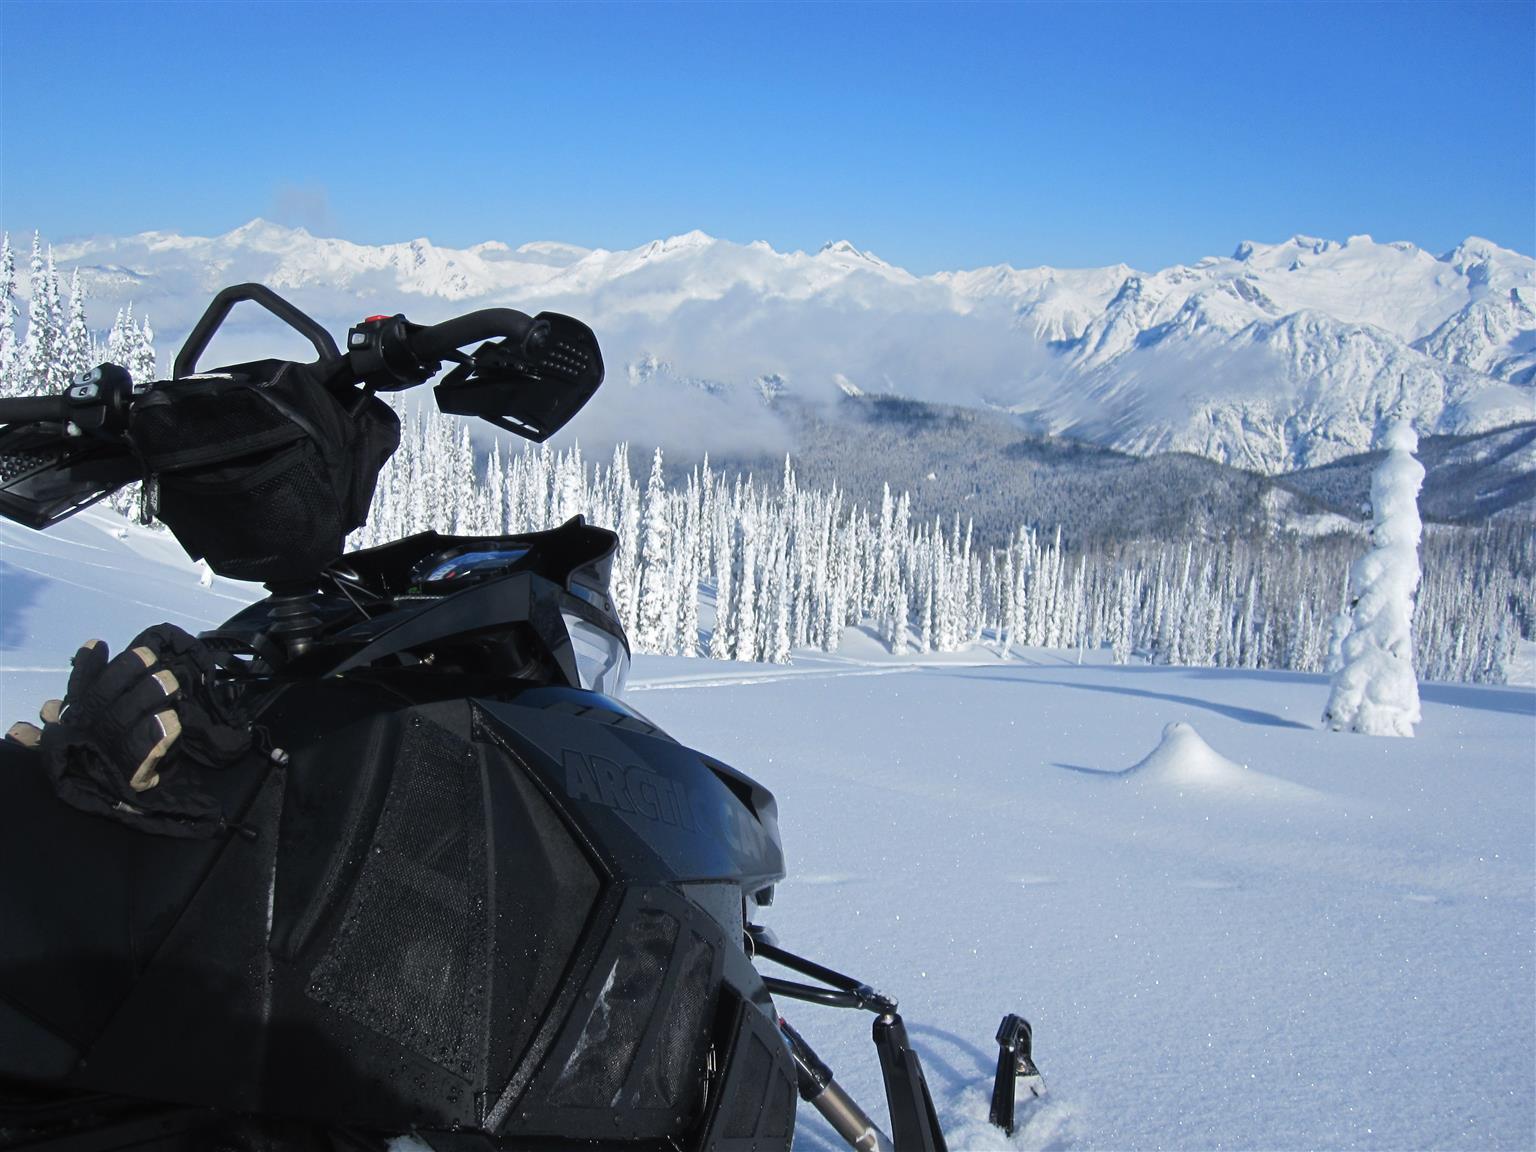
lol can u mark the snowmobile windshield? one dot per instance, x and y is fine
(602, 660)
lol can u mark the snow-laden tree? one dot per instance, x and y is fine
(689, 566)
(75, 354)
(721, 642)
(41, 349)
(1376, 691)
(10, 345)
(655, 629)
(743, 619)
(141, 364)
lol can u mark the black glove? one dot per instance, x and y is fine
(121, 741)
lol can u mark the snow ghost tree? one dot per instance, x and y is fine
(1375, 690)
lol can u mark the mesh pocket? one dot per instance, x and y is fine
(261, 468)
(410, 957)
(672, 1076)
(272, 518)
(204, 422)
(751, 1085)
(595, 1073)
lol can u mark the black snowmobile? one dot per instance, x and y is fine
(458, 889)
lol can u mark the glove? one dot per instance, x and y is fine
(126, 721)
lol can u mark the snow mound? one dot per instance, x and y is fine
(1184, 760)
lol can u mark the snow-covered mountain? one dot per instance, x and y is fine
(1277, 357)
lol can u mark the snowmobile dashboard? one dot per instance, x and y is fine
(529, 607)
(577, 556)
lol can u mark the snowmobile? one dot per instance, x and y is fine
(461, 890)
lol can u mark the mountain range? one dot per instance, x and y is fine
(1275, 358)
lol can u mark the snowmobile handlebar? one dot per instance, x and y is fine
(34, 409)
(95, 400)
(439, 341)
(529, 375)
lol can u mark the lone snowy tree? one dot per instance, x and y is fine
(1376, 691)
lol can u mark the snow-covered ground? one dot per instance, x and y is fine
(1230, 928)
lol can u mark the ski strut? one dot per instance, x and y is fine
(914, 1123)
(1013, 1062)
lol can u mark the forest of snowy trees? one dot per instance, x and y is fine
(772, 566)
(58, 344)
(788, 567)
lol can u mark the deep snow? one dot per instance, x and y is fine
(1229, 927)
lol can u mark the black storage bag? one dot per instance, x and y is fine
(259, 468)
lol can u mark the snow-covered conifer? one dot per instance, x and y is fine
(41, 348)
(1376, 691)
(744, 579)
(720, 640)
(75, 357)
(117, 338)
(10, 346)
(687, 589)
(141, 362)
(655, 627)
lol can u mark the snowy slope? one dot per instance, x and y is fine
(1280, 356)
(1229, 928)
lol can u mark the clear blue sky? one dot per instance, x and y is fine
(939, 136)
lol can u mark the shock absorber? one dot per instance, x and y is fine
(826, 1095)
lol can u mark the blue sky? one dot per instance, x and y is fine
(939, 136)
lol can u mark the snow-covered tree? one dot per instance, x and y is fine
(655, 630)
(120, 342)
(41, 349)
(10, 346)
(75, 356)
(1376, 691)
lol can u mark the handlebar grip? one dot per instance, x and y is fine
(33, 409)
(435, 343)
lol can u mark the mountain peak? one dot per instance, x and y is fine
(262, 229)
(1250, 251)
(1474, 250)
(846, 249)
(693, 239)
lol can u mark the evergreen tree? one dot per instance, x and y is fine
(41, 350)
(1376, 691)
(688, 572)
(720, 640)
(654, 631)
(11, 383)
(75, 357)
(744, 578)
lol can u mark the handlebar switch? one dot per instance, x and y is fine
(100, 397)
(381, 355)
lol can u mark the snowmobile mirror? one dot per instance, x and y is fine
(531, 387)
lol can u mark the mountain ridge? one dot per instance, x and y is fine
(1280, 356)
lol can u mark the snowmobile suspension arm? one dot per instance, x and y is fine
(914, 1122)
(844, 991)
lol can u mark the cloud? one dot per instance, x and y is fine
(303, 206)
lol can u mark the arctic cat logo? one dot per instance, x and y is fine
(602, 781)
(652, 795)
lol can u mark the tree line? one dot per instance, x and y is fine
(790, 567)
